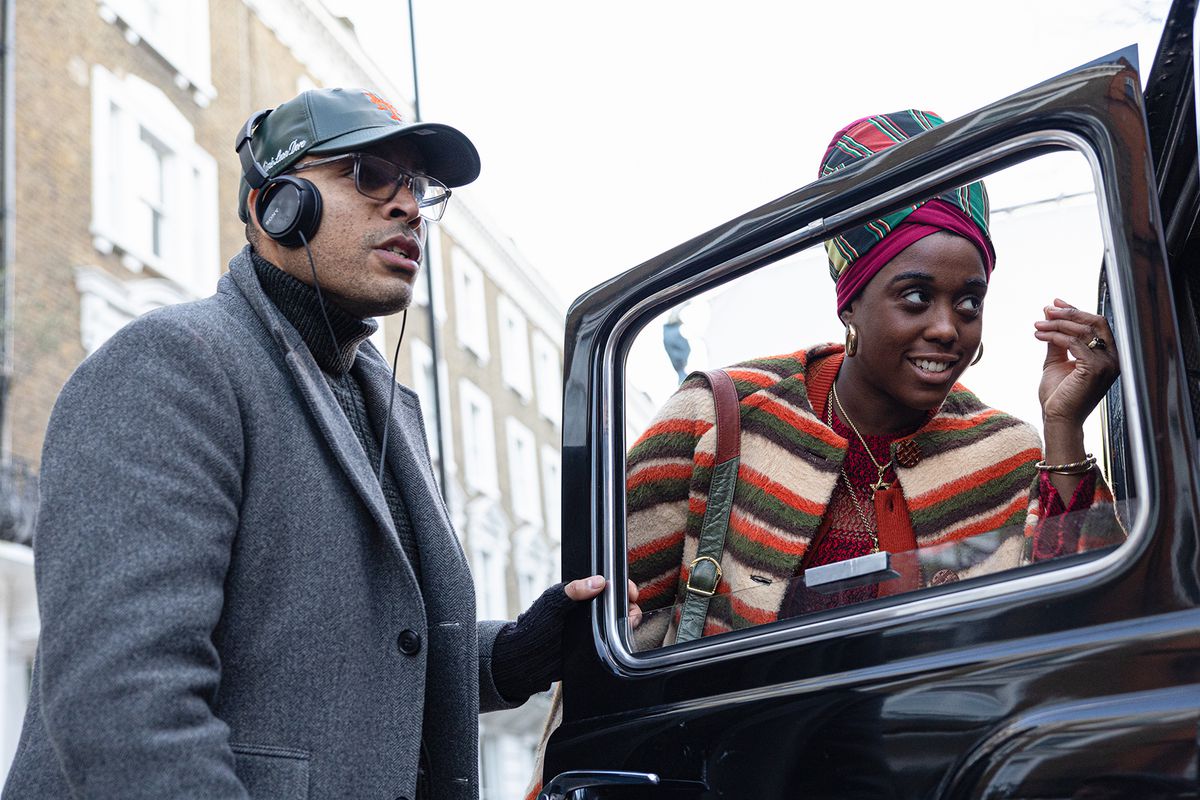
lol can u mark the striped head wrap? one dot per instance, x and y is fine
(857, 255)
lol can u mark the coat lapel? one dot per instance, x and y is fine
(318, 397)
(408, 459)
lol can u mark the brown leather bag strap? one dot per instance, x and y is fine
(704, 573)
(729, 416)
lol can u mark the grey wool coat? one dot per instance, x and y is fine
(226, 608)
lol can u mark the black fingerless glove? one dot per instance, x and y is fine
(527, 653)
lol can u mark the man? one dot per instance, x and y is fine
(248, 581)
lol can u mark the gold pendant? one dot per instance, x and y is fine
(881, 485)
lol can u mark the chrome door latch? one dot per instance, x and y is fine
(574, 785)
(565, 785)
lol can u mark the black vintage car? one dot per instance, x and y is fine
(1073, 677)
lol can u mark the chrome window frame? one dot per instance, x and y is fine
(613, 644)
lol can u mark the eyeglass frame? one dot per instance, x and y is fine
(441, 201)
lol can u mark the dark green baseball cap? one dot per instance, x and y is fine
(330, 121)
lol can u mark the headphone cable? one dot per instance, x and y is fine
(337, 349)
(320, 296)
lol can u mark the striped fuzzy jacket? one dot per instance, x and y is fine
(975, 475)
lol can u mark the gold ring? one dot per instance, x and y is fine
(1097, 344)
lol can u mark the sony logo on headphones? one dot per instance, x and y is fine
(292, 149)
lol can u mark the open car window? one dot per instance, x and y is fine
(981, 516)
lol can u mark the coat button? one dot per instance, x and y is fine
(943, 576)
(409, 642)
(908, 453)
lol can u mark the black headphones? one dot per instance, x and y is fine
(288, 208)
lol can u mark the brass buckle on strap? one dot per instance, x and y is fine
(692, 573)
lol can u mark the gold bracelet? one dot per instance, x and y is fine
(1074, 468)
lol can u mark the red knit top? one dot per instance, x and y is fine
(880, 520)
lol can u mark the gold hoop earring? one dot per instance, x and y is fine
(851, 340)
(978, 355)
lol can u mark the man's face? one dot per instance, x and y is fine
(366, 252)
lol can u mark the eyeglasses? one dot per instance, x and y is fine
(380, 180)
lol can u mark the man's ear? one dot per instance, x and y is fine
(847, 314)
(252, 212)
(261, 241)
(252, 208)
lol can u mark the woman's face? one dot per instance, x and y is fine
(919, 323)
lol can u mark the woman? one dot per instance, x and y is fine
(847, 450)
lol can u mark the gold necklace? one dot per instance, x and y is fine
(871, 530)
(880, 485)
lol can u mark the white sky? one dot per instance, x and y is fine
(611, 132)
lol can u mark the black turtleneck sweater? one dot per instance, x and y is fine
(335, 355)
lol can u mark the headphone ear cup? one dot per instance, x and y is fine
(288, 208)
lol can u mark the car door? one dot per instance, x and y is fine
(1075, 676)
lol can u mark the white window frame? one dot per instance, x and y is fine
(517, 761)
(487, 535)
(124, 112)
(490, 768)
(422, 383)
(435, 263)
(547, 372)
(514, 348)
(106, 304)
(177, 30)
(533, 563)
(19, 628)
(470, 305)
(524, 494)
(479, 439)
(552, 492)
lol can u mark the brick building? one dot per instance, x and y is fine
(120, 182)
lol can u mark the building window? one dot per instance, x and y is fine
(547, 371)
(522, 472)
(514, 348)
(490, 768)
(505, 764)
(479, 442)
(423, 385)
(533, 564)
(552, 491)
(154, 190)
(530, 586)
(107, 304)
(470, 305)
(18, 635)
(487, 535)
(489, 570)
(434, 263)
(175, 29)
(149, 158)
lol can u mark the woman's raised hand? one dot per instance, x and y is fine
(1072, 387)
